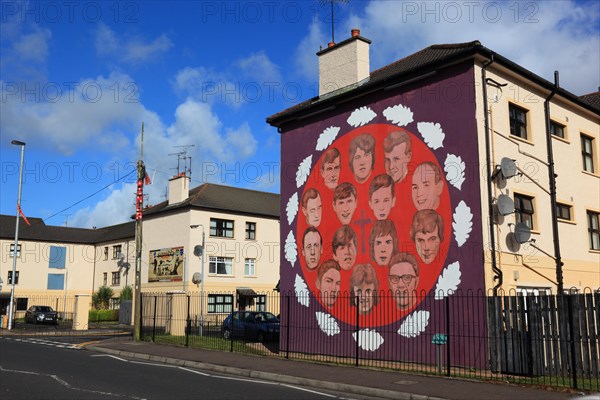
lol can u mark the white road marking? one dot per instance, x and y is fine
(45, 342)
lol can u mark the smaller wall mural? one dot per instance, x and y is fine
(166, 265)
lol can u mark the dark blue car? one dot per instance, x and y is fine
(252, 325)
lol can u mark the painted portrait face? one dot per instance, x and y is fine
(329, 286)
(312, 250)
(345, 255)
(331, 173)
(383, 248)
(381, 202)
(344, 209)
(428, 245)
(425, 191)
(313, 211)
(396, 162)
(403, 283)
(365, 293)
(362, 165)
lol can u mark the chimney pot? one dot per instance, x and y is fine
(330, 44)
(355, 32)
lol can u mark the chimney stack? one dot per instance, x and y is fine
(343, 64)
(179, 188)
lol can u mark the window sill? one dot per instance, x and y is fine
(564, 140)
(250, 276)
(594, 251)
(520, 139)
(222, 276)
(566, 221)
(590, 173)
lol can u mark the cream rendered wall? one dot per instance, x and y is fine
(527, 266)
(110, 265)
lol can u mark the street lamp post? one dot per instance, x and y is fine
(15, 252)
(202, 280)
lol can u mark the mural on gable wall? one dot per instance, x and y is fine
(382, 218)
(166, 265)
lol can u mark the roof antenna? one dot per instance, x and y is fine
(331, 2)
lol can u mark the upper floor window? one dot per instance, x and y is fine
(221, 228)
(105, 252)
(12, 250)
(594, 229)
(249, 268)
(10, 273)
(557, 129)
(518, 121)
(524, 209)
(587, 153)
(563, 211)
(116, 251)
(105, 279)
(116, 279)
(220, 265)
(58, 257)
(251, 230)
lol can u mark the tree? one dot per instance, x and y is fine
(101, 299)
(126, 293)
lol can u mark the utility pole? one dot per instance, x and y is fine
(141, 173)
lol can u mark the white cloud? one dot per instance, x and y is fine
(131, 50)
(116, 208)
(259, 67)
(305, 58)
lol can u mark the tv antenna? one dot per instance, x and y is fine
(182, 156)
(66, 218)
(331, 2)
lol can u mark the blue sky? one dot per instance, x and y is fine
(79, 78)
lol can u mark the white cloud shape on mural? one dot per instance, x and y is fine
(302, 293)
(327, 323)
(432, 134)
(368, 339)
(292, 207)
(291, 248)
(463, 223)
(414, 324)
(303, 171)
(399, 115)
(361, 116)
(326, 137)
(448, 281)
(455, 170)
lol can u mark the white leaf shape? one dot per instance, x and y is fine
(414, 324)
(455, 170)
(448, 281)
(432, 134)
(327, 323)
(361, 116)
(368, 339)
(292, 208)
(326, 138)
(291, 248)
(302, 293)
(463, 223)
(303, 171)
(399, 115)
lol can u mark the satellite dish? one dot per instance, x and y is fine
(197, 278)
(508, 167)
(506, 205)
(198, 250)
(522, 233)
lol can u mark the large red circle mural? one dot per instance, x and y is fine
(374, 225)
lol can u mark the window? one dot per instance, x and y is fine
(105, 279)
(221, 228)
(12, 250)
(251, 230)
(587, 153)
(518, 121)
(105, 252)
(220, 303)
(10, 277)
(563, 211)
(116, 251)
(261, 302)
(58, 257)
(22, 304)
(524, 209)
(114, 303)
(249, 269)
(557, 129)
(116, 279)
(220, 266)
(56, 281)
(594, 229)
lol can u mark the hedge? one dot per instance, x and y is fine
(103, 315)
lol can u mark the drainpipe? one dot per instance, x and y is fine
(488, 161)
(552, 181)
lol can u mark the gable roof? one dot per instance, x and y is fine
(215, 197)
(412, 67)
(592, 99)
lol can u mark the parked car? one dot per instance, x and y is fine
(41, 314)
(252, 325)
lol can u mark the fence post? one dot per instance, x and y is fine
(188, 323)
(571, 339)
(287, 327)
(447, 304)
(154, 322)
(357, 328)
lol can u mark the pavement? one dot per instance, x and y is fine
(383, 384)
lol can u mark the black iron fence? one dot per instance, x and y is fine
(547, 339)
